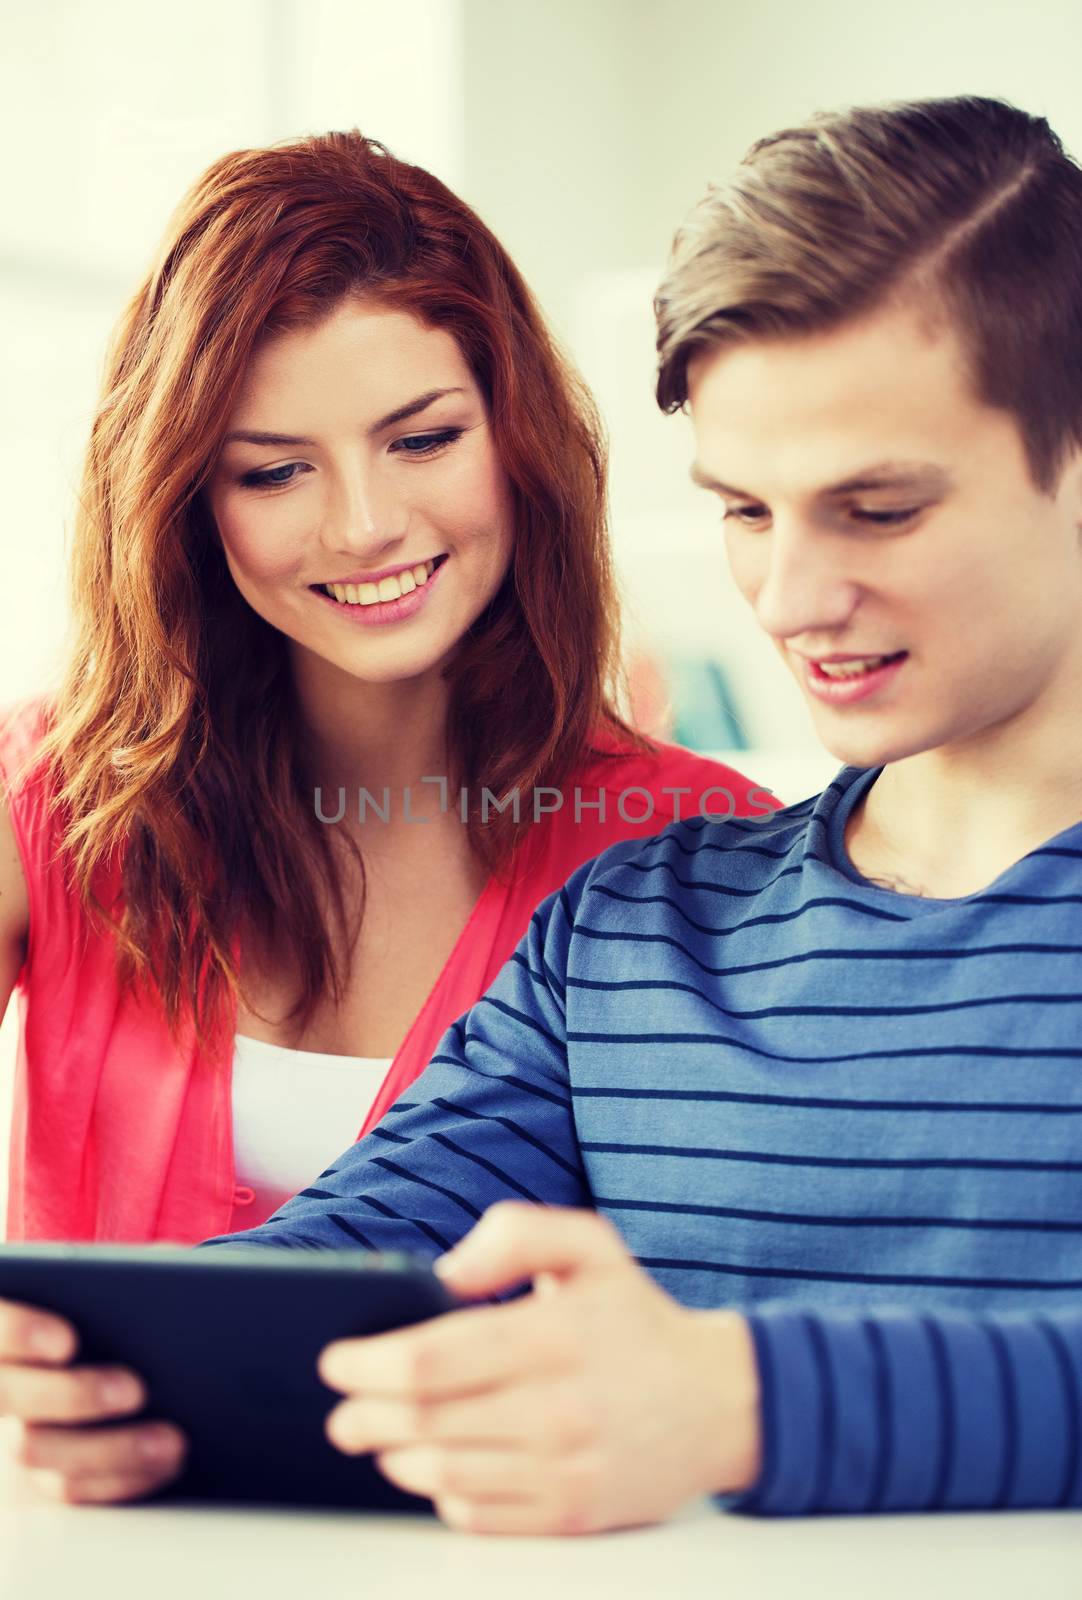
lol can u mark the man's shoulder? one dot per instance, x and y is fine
(742, 851)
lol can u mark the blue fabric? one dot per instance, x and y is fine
(853, 1114)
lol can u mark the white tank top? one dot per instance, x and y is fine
(294, 1111)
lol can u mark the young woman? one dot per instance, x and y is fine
(341, 530)
(340, 553)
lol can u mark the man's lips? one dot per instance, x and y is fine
(851, 655)
(841, 679)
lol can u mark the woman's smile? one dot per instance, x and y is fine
(394, 598)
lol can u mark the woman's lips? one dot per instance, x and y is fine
(383, 611)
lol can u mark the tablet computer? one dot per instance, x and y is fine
(226, 1342)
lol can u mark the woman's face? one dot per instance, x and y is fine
(362, 508)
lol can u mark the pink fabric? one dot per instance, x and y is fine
(121, 1132)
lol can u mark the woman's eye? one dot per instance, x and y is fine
(414, 444)
(426, 444)
(269, 477)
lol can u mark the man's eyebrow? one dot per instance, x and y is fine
(895, 474)
(705, 481)
(399, 414)
(923, 475)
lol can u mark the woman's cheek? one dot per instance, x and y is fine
(493, 555)
(476, 526)
(263, 552)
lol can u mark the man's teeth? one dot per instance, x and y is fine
(371, 594)
(851, 669)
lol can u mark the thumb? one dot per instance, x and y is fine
(515, 1242)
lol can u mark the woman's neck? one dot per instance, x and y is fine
(370, 735)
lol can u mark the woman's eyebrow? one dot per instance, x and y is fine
(412, 407)
(399, 414)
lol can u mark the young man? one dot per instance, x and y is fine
(819, 1074)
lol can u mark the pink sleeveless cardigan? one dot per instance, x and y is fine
(121, 1131)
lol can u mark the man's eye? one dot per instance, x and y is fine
(746, 516)
(886, 519)
(426, 444)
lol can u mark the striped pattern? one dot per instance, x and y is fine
(855, 1114)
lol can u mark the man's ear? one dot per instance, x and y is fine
(1072, 483)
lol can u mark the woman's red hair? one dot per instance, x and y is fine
(173, 733)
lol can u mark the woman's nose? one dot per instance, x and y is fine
(365, 512)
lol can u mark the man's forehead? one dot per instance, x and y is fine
(880, 402)
(926, 477)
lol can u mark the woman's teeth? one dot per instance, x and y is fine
(372, 594)
(851, 669)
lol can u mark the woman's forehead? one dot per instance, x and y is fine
(381, 358)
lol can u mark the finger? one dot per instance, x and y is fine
(514, 1242)
(462, 1352)
(73, 1394)
(27, 1334)
(152, 1449)
(98, 1491)
(544, 1418)
(515, 1516)
(478, 1472)
(359, 1426)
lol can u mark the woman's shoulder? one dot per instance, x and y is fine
(680, 782)
(621, 790)
(26, 830)
(27, 787)
(23, 725)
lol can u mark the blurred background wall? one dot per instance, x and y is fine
(582, 130)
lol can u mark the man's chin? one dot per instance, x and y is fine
(867, 746)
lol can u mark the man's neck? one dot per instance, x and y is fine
(946, 823)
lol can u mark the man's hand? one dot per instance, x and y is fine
(54, 1405)
(596, 1402)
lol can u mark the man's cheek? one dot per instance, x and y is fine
(747, 567)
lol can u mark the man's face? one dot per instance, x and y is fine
(875, 509)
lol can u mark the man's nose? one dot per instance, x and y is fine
(805, 588)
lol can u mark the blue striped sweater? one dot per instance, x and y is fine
(852, 1113)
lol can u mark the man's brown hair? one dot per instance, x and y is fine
(968, 204)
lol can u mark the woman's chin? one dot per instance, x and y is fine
(377, 662)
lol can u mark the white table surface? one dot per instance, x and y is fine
(55, 1552)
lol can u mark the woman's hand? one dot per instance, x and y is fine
(46, 1396)
(596, 1402)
